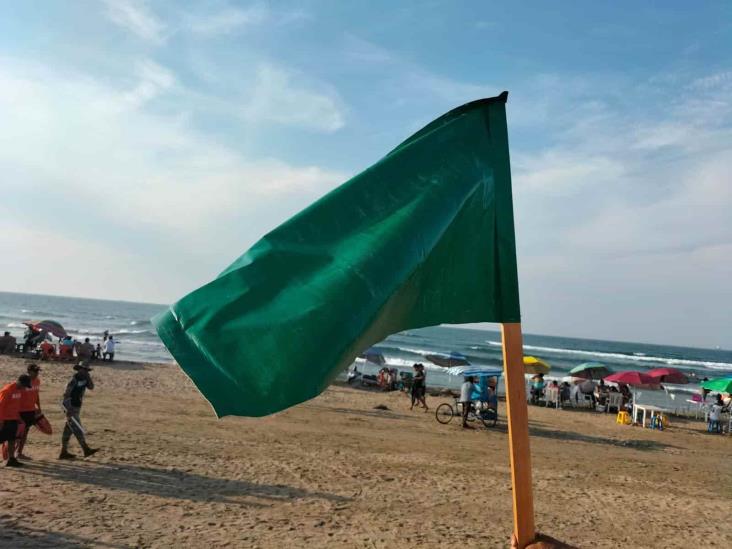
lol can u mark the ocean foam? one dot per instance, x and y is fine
(635, 357)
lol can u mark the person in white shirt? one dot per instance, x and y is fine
(466, 390)
(714, 424)
(109, 349)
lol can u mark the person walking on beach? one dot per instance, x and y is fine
(109, 349)
(419, 387)
(10, 397)
(30, 406)
(466, 399)
(85, 351)
(73, 399)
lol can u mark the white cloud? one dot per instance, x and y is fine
(227, 20)
(100, 166)
(712, 81)
(136, 17)
(286, 97)
(154, 80)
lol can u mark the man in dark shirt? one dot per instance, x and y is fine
(73, 398)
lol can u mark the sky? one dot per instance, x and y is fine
(144, 145)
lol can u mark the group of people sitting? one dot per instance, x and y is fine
(597, 393)
(20, 409)
(68, 348)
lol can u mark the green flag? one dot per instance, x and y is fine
(423, 237)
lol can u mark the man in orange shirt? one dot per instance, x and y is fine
(10, 397)
(30, 406)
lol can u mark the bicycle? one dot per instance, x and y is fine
(445, 412)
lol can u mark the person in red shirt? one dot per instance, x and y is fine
(30, 406)
(10, 397)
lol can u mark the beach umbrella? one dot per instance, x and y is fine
(633, 378)
(669, 375)
(590, 370)
(448, 360)
(533, 365)
(373, 355)
(719, 385)
(50, 326)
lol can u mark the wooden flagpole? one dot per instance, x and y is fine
(518, 433)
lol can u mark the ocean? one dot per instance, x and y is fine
(137, 341)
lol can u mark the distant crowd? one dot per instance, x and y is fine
(38, 345)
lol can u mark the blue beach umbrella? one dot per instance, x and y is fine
(448, 360)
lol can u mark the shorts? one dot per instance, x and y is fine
(29, 418)
(9, 430)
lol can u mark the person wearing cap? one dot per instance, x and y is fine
(73, 398)
(10, 397)
(30, 406)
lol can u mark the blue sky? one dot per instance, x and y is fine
(144, 145)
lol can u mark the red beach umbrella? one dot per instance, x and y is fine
(50, 326)
(669, 375)
(633, 378)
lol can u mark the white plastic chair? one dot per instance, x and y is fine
(551, 397)
(614, 400)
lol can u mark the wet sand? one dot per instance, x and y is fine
(335, 472)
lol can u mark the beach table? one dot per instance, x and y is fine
(647, 408)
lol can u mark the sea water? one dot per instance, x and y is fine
(137, 341)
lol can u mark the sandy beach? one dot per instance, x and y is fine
(336, 472)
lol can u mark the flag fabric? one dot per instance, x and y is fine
(423, 237)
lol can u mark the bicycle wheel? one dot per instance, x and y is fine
(444, 413)
(489, 417)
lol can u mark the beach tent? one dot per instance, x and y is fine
(533, 365)
(423, 237)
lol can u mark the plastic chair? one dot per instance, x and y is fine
(623, 418)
